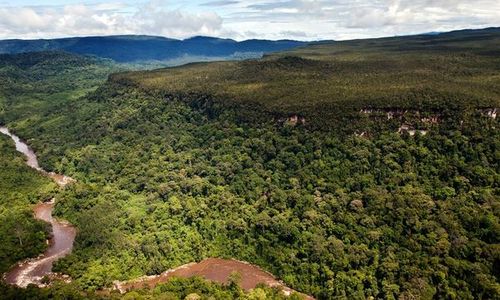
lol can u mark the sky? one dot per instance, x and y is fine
(243, 19)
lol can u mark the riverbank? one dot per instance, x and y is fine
(33, 270)
(213, 269)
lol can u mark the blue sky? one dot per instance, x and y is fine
(243, 19)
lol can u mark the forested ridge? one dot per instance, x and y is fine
(331, 82)
(168, 172)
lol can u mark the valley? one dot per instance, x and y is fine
(38, 271)
(364, 169)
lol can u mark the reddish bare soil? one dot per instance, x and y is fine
(214, 269)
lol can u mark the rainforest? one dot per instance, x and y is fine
(363, 169)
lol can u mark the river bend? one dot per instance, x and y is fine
(33, 270)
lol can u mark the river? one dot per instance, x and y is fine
(213, 269)
(32, 271)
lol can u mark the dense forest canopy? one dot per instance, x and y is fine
(265, 161)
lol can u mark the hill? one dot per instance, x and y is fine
(327, 81)
(293, 162)
(130, 48)
(33, 85)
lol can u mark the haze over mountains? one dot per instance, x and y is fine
(133, 48)
(144, 48)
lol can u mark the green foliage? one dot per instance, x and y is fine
(160, 184)
(36, 85)
(329, 83)
(21, 236)
(194, 288)
(173, 172)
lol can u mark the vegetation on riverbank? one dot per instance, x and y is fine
(349, 216)
(182, 164)
(21, 236)
(176, 289)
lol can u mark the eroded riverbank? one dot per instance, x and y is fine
(32, 271)
(213, 269)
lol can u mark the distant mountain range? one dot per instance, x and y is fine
(134, 48)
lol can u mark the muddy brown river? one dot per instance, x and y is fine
(32, 271)
(213, 269)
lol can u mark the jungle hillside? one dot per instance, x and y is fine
(363, 169)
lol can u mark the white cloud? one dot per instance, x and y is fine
(104, 19)
(303, 19)
(347, 19)
(24, 20)
(175, 23)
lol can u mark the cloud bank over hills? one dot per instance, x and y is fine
(243, 19)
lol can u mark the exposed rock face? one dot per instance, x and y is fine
(295, 120)
(397, 113)
(430, 120)
(409, 118)
(389, 112)
(489, 112)
(412, 119)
